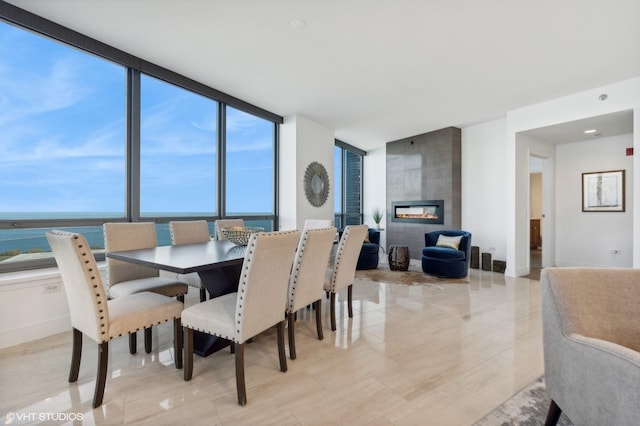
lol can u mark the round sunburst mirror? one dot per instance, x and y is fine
(316, 184)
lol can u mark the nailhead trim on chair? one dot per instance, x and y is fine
(339, 255)
(305, 238)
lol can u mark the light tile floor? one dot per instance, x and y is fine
(425, 355)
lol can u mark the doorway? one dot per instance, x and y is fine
(536, 216)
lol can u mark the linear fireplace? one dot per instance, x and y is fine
(424, 211)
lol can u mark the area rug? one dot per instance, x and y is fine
(527, 407)
(414, 276)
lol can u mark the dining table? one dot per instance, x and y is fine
(217, 262)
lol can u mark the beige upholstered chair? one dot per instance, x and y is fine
(317, 224)
(101, 319)
(226, 223)
(307, 278)
(344, 268)
(190, 232)
(126, 278)
(258, 305)
(591, 336)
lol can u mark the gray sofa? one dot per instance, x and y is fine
(591, 334)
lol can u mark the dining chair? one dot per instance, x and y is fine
(125, 278)
(257, 305)
(307, 278)
(190, 232)
(226, 223)
(101, 319)
(344, 268)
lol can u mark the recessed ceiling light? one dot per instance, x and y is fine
(590, 131)
(298, 24)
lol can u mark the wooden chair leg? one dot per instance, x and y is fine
(553, 415)
(350, 300)
(318, 307)
(242, 391)
(188, 352)
(76, 355)
(232, 348)
(203, 294)
(291, 333)
(177, 341)
(133, 343)
(148, 341)
(332, 308)
(281, 353)
(101, 379)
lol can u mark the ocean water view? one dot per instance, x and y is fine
(16, 241)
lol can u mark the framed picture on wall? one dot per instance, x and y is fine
(603, 191)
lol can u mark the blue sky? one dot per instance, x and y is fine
(62, 138)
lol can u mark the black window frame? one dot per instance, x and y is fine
(342, 218)
(135, 67)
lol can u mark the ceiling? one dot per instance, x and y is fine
(374, 70)
(614, 124)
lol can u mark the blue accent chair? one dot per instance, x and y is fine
(369, 253)
(444, 261)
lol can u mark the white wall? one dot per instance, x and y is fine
(374, 191)
(484, 175)
(302, 142)
(586, 238)
(33, 305)
(622, 96)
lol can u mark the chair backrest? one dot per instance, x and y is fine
(82, 283)
(226, 223)
(317, 224)
(374, 236)
(431, 238)
(262, 290)
(189, 232)
(309, 267)
(128, 236)
(344, 267)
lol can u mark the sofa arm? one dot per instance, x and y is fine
(594, 381)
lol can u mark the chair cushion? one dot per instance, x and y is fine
(140, 310)
(443, 253)
(215, 316)
(451, 242)
(161, 285)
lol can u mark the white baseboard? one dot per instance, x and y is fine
(34, 331)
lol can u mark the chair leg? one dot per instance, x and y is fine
(177, 342)
(291, 333)
(101, 379)
(553, 415)
(203, 294)
(318, 307)
(76, 355)
(133, 343)
(188, 353)
(242, 391)
(148, 341)
(332, 303)
(281, 353)
(350, 300)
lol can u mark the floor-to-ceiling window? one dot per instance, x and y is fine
(348, 181)
(90, 134)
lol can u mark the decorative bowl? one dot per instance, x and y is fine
(240, 234)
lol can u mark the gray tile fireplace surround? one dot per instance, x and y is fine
(423, 167)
